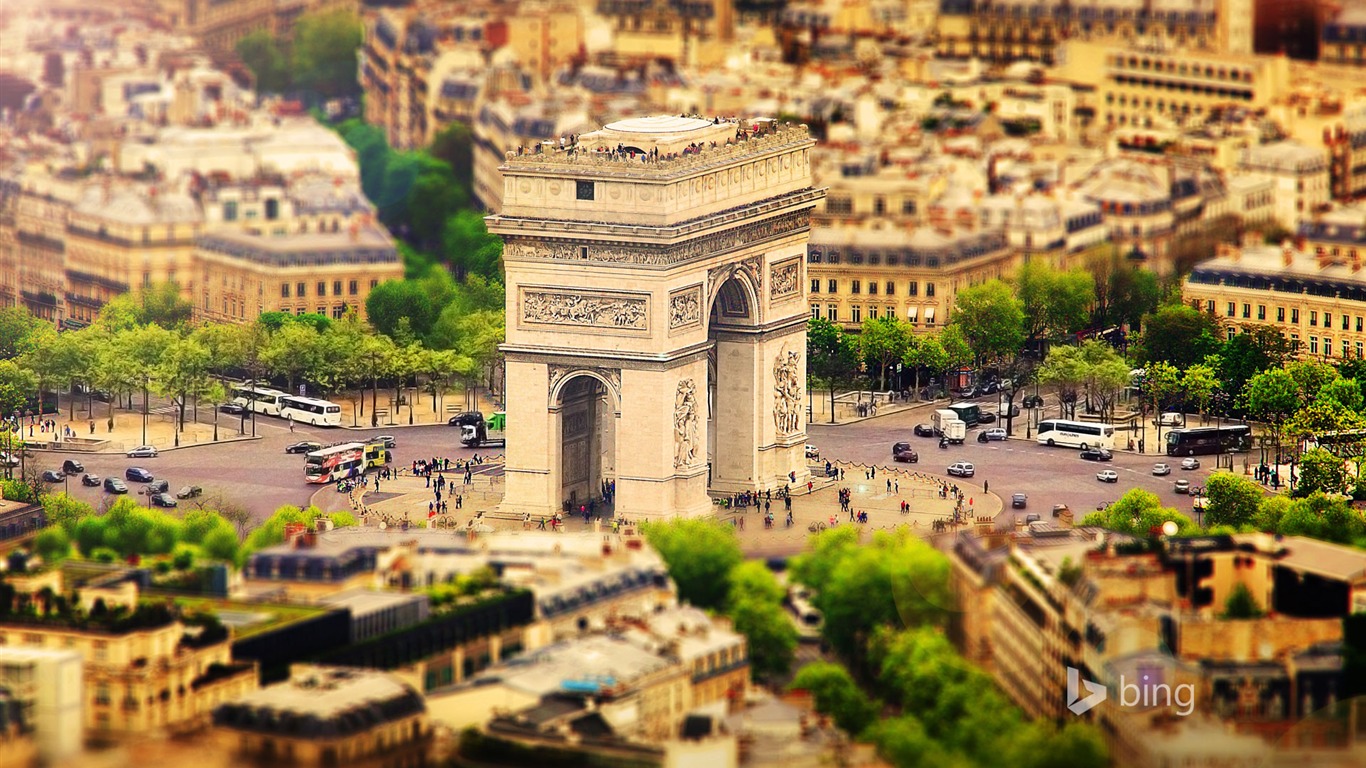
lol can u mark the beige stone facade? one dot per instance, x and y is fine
(220, 24)
(656, 257)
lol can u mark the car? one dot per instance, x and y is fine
(143, 452)
(137, 474)
(164, 500)
(1095, 454)
(1012, 410)
(466, 419)
(156, 486)
(1162, 469)
(72, 467)
(986, 417)
(232, 408)
(189, 492)
(303, 446)
(1032, 401)
(899, 447)
(1058, 509)
(53, 476)
(1019, 501)
(1189, 463)
(1031, 518)
(90, 480)
(115, 485)
(1107, 476)
(1170, 420)
(961, 469)
(1182, 486)
(389, 440)
(996, 433)
(909, 456)
(924, 430)
(812, 452)
(991, 388)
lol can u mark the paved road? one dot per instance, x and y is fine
(1046, 475)
(255, 474)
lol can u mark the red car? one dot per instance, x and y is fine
(906, 455)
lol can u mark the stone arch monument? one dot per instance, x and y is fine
(656, 331)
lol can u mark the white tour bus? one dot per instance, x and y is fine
(1077, 434)
(310, 410)
(259, 399)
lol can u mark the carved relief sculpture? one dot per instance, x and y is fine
(685, 308)
(785, 279)
(787, 391)
(686, 422)
(573, 309)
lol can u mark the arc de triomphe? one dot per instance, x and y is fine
(656, 329)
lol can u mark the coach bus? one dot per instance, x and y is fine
(335, 462)
(1077, 434)
(310, 410)
(259, 399)
(1196, 440)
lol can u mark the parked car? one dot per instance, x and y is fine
(909, 456)
(303, 446)
(164, 500)
(232, 408)
(1096, 454)
(189, 492)
(996, 433)
(156, 486)
(986, 417)
(389, 440)
(90, 480)
(1107, 476)
(115, 485)
(961, 469)
(137, 474)
(924, 430)
(812, 452)
(1182, 486)
(72, 467)
(990, 388)
(1162, 469)
(1189, 463)
(466, 419)
(143, 452)
(1019, 501)
(1032, 401)
(53, 476)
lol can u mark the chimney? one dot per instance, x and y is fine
(1287, 253)
(293, 531)
(1356, 261)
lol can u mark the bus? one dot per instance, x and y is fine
(1193, 440)
(310, 410)
(335, 462)
(969, 413)
(260, 399)
(377, 454)
(1077, 434)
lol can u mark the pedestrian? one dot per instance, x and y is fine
(428, 478)
(291, 423)
(809, 484)
(92, 426)
(896, 486)
(985, 486)
(889, 485)
(459, 501)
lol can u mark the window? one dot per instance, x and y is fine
(102, 695)
(1294, 315)
(908, 207)
(891, 288)
(832, 313)
(1280, 314)
(230, 210)
(832, 257)
(872, 313)
(1346, 348)
(912, 288)
(353, 287)
(1247, 311)
(1209, 305)
(814, 257)
(872, 287)
(1313, 317)
(832, 286)
(338, 311)
(1261, 311)
(1346, 320)
(856, 314)
(1232, 309)
(272, 209)
(1313, 345)
(322, 290)
(891, 311)
(1327, 319)
(374, 283)
(929, 289)
(583, 190)
(815, 285)
(336, 287)
(322, 311)
(839, 204)
(299, 290)
(1359, 319)
(284, 290)
(854, 286)
(879, 205)
(1358, 350)
(815, 311)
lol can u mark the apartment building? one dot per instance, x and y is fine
(47, 691)
(1343, 37)
(521, 120)
(1301, 175)
(1346, 145)
(690, 34)
(327, 716)
(864, 272)
(1060, 231)
(394, 77)
(220, 24)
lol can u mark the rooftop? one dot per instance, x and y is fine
(587, 664)
(322, 702)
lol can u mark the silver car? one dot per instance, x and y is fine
(1162, 469)
(143, 452)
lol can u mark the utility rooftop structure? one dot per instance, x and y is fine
(655, 277)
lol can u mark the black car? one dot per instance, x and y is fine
(986, 417)
(72, 467)
(1033, 401)
(1096, 454)
(924, 430)
(899, 447)
(163, 500)
(303, 446)
(189, 492)
(53, 476)
(1019, 500)
(90, 480)
(115, 485)
(138, 474)
(156, 486)
(466, 419)
(232, 408)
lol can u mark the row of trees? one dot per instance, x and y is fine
(835, 357)
(320, 62)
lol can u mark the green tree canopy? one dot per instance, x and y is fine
(1055, 303)
(1233, 500)
(991, 319)
(266, 60)
(837, 695)
(323, 56)
(1179, 335)
(1321, 472)
(883, 342)
(700, 555)
(1137, 513)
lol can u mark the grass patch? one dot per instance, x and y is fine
(279, 615)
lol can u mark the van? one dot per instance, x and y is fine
(1170, 419)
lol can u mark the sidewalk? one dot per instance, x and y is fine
(127, 432)
(846, 409)
(422, 412)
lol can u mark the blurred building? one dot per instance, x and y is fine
(220, 24)
(46, 691)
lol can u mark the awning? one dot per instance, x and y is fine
(912, 313)
(929, 315)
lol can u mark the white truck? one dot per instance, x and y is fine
(949, 426)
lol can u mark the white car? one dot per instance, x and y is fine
(1182, 486)
(143, 452)
(1162, 469)
(812, 452)
(1190, 463)
(961, 469)
(996, 433)
(1107, 476)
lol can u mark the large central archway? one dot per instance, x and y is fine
(586, 418)
(732, 399)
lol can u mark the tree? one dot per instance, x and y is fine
(1272, 396)
(1311, 376)
(924, 352)
(1241, 604)
(52, 544)
(182, 373)
(1065, 370)
(221, 544)
(1258, 348)
(1139, 512)
(324, 53)
(394, 300)
(1179, 335)
(883, 342)
(992, 321)
(831, 357)
(1199, 382)
(161, 304)
(1106, 374)
(16, 383)
(1161, 389)
(470, 248)
(454, 145)
(1233, 500)
(1055, 303)
(837, 695)
(1324, 416)
(770, 635)
(699, 555)
(268, 65)
(291, 351)
(1321, 472)
(19, 331)
(1344, 392)
(1124, 292)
